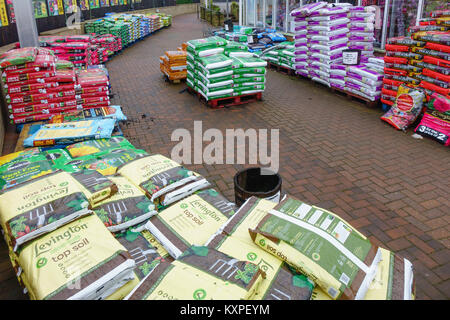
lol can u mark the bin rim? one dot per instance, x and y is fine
(256, 193)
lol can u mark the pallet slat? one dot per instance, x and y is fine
(228, 101)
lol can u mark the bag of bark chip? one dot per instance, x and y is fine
(200, 273)
(191, 221)
(320, 245)
(145, 255)
(95, 146)
(394, 279)
(126, 208)
(79, 261)
(233, 239)
(33, 208)
(163, 180)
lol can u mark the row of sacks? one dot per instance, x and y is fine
(109, 221)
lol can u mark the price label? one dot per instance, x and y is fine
(249, 39)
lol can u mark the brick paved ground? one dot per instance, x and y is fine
(334, 153)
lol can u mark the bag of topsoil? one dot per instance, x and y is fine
(33, 208)
(78, 261)
(320, 245)
(97, 146)
(23, 166)
(126, 208)
(233, 239)
(163, 180)
(191, 221)
(70, 132)
(200, 273)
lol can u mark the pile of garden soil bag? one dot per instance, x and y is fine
(100, 219)
(417, 78)
(37, 85)
(218, 68)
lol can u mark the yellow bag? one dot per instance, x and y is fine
(191, 221)
(200, 273)
(80, 260)
(33, 208)
(280, 282)
(163, 180)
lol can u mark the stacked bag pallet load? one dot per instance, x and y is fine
(283, 56)
(155, 22)
(94, 86)
(34, 89)
(209, 71)
(218, 68)
(361, 30)
(300, 43)
(419, 65)
(327, 38)
(174, 64)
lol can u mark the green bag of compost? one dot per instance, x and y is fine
(320, 245)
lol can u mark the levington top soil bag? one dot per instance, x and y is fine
(126, 208)
(33, 208)
(200, 273)
(320, 245)
(281, 281)
(163, 180)
(190, 221)
(141, 250)
(78, 261)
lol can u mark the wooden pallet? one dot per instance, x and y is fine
(228, 101)
(351, 95)
(24, 133)
(173, 81)
(281, 69)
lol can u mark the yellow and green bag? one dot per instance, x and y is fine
(80, 260)
(163, 180)
(320, 245)
(191, 221)
(200, 273)
(281, 282)
(126, 208)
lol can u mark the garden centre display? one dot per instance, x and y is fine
(148, 244)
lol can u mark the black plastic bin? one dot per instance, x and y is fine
(250, 182)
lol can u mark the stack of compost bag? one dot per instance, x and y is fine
(364, 82)
(361, 27)
(38, 86)
(248, 75)
(173, 64)
(209, 70)
(283, 56)
(218, 68)
(327, 37)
